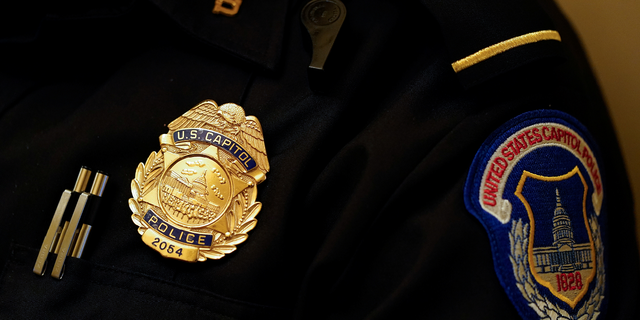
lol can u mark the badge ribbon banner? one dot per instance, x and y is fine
(536, 187)
(176, 234)
(216, 139)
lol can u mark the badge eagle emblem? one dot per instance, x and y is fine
(195, 199)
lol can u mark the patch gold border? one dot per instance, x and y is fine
(518, 193)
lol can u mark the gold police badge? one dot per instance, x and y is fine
(196, 198)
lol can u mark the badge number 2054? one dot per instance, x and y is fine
(168, 248)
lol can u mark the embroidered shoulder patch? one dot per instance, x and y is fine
(536, 186)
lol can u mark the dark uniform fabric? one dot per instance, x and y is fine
(363, 212)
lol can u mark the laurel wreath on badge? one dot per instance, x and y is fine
(519, 239)
(195, 199)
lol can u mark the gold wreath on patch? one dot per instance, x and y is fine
(195, 199)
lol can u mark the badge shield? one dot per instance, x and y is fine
(195, 199)
(561, 250)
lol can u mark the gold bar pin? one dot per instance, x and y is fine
(96, 191)
(72, 237)
(55, 230)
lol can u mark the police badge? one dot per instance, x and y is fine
(536, 186)
(196, 198)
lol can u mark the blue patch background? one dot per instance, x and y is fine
(546, 161)
(543, 204)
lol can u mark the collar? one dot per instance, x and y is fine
(255, 34)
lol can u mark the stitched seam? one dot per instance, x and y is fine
(106, 269)
(158, 298)
(208, 293)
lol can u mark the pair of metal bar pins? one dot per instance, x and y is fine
(65, 238)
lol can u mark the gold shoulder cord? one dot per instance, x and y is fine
(503, 46)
